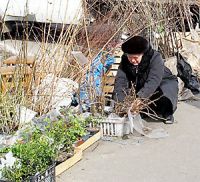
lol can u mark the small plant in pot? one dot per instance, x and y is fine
(76, 129)
(93, 124)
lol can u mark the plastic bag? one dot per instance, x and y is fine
(185, 73)
(137, 123)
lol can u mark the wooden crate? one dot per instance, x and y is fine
(110, 77)
(15, 60)
(9, 75)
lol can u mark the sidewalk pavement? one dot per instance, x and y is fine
(139, 159)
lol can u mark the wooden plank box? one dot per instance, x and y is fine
(90, 141)
(78, 154)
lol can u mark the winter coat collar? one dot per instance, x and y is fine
(142, 67)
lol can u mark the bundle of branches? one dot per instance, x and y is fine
(136, 105)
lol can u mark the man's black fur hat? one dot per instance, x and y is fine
(135, 45)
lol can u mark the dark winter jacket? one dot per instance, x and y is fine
(147, 77)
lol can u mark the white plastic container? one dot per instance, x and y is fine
(112, 128)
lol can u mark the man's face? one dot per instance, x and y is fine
(134, 59)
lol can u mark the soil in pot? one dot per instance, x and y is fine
(93, 130)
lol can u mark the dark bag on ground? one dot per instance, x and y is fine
(185, 73)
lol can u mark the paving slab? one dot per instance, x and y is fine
(139, 159)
